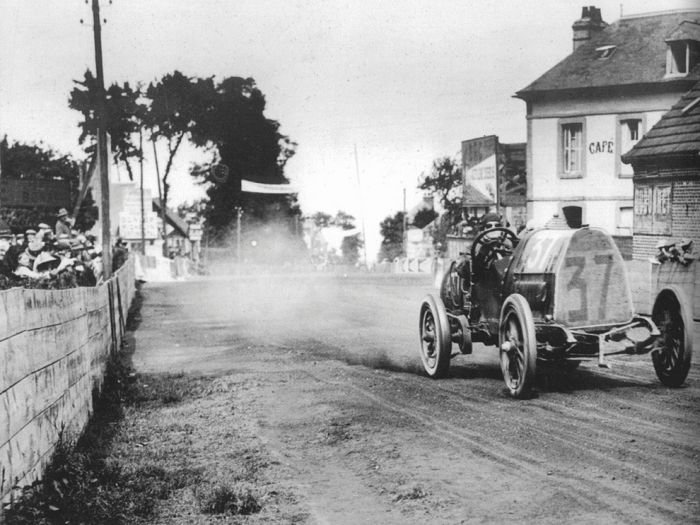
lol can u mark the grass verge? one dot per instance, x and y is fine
(83, 483)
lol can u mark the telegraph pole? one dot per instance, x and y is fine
(102, 153)
(143, 217)
(359, 189)
(160, 198)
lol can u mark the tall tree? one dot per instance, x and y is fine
(391, 230)
(444, 181)
(124, 114)
(252, 147)
(177, 103)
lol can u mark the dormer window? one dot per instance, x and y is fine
(682, 56)
(604, 52)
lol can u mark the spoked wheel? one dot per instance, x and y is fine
(435, 337)
(672, 356)
(518, 346)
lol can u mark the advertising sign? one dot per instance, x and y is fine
(195, 232)
(479, 165)
(130, 214)
(130, 225)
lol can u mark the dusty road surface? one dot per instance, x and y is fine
(317, 381)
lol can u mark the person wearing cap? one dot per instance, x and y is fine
(29, 236)
(44, 232)
(489, 221)
(64, 224)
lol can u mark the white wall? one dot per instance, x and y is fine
(600, 190)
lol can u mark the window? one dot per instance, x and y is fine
(571, 152)
(652, 209)
(681, 57)
(630, 128)
(604, 52)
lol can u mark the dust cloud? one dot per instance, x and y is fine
(274, 295)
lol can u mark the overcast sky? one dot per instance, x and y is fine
(404, 82)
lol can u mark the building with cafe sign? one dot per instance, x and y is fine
(591, 108)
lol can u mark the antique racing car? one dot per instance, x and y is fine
(556, 296)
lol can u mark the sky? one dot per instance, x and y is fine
(372, 92)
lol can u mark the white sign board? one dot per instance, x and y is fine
(195, 232)
(130, 225)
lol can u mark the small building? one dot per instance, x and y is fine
(177, 240)
(666, 166)
(596, 104)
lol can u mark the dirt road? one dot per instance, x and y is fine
(319, 379)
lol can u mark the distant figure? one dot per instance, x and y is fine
(64, 223)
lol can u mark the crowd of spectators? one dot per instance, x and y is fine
(45, 257)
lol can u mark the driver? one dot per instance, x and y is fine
(489, 221)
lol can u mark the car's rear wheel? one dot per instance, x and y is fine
(435, 337)
(518, 346)
(672, 357)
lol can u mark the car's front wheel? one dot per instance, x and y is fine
(435, 337)
(517, 346)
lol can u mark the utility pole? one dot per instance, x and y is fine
(239, 213)
(404, 239)
(359, 189)
(160, 198)
(143, 218)
(102, 153)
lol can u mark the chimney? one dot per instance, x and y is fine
(591, 22)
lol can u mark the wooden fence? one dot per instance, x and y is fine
(54, 345)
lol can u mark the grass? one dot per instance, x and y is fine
(236, 499)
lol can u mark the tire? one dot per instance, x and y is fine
(671, 358)
(517, 346)
(435, 338)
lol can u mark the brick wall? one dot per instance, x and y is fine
(685, 208)
(644, 246)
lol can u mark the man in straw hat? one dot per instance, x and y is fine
(63, 223)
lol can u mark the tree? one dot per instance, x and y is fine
(177, 104)
(343, 220)
(424, 217)
(321, 219)
(443, 180)
(234, 126)
(391, 230)
(350, 249)
(35, 162)
(124, 116)
(351, 244)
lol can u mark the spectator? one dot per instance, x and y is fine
(64, 223)
(40, 259)
(29, 236)
(120, 254)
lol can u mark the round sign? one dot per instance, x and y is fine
(219, 173)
